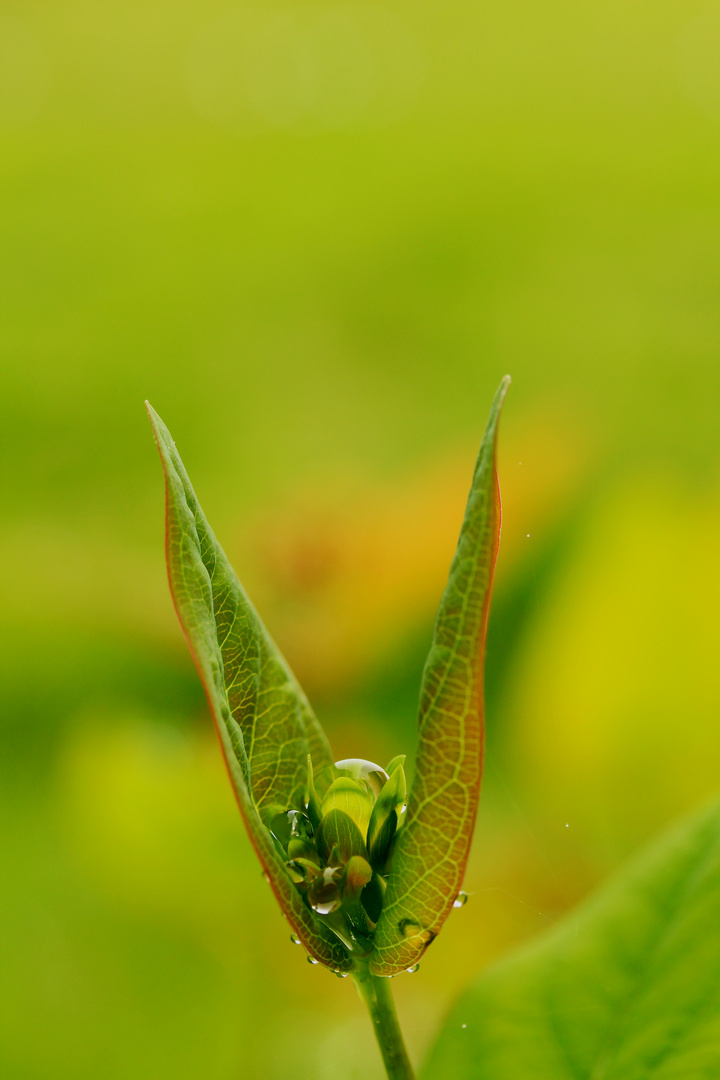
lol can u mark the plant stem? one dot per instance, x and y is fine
(377, 995)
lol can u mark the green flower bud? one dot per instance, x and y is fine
(303, 871)
(367, 772)
(302, 848)
(339, 836)
(352, 798)
(372, 897)
(358, 873)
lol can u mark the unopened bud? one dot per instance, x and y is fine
(353, 798)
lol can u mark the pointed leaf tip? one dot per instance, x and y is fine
(432, 849)
(265, 724)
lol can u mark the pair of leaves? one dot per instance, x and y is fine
(627, 988)
(267, 728)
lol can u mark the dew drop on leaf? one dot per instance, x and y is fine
(295, 939)
(413, 969)
(409, 927)
(460, 900)
(341, 974)
(312, 960)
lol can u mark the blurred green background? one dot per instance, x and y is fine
(315, 237)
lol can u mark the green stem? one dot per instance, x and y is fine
(376, 994)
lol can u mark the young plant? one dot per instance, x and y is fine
(365, 872)
(625, 989)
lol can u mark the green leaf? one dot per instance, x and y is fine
(429, 861)
(384, 820)
(314, 806)
(627, 988)
(339, 837)
(399, 759)
(352, 798)
(264, 722)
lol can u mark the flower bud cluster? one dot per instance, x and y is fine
(338, 848)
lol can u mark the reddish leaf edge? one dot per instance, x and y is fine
(379, 967)
(334, 956)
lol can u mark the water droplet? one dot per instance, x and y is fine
(413, 969)
(326, 907)
(460, 900)
(341, 974)
(265, 876)
(291, 825)
(312, 960)
(360, 769)
(409, 927)
(324, 894)
(295, 939)
(297, 871)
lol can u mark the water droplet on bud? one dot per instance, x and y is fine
(327, 907)
(460, 900)
(359, 769)
(413, 969)
(341, 974)
(312, 960)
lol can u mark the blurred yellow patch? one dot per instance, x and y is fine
(82, 579)
(150, 814)
(617, 698)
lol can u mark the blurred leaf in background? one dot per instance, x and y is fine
(316, 237)
(625, 987)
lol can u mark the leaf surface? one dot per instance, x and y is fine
(627, 988)
(433, 845)
(265, 724)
